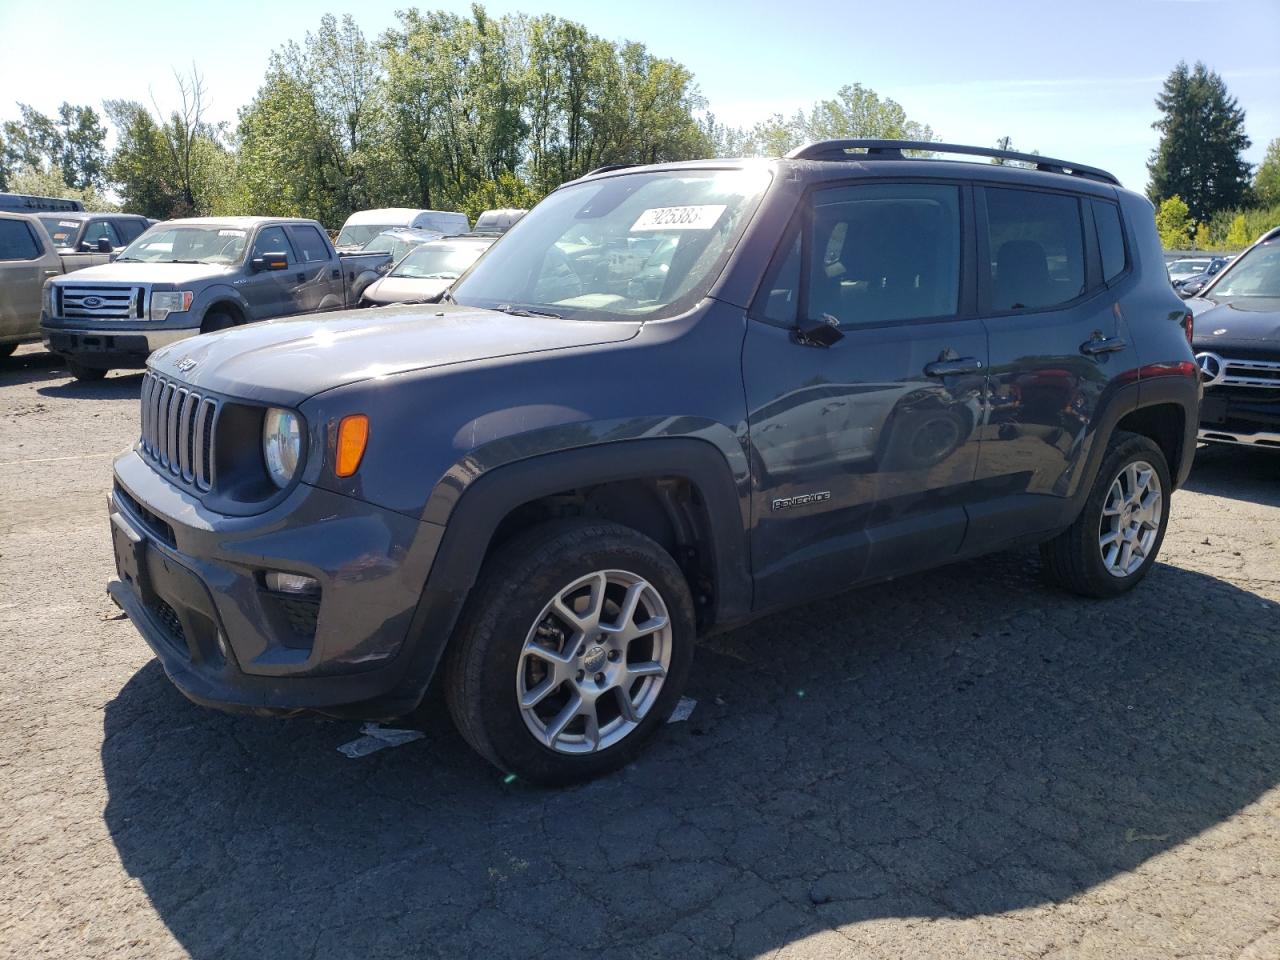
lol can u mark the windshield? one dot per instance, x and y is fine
(183, 244)
(61, 232)
(1253, 274)
(1188, 266)
(357, 235)
(438, 262)
(642, 245)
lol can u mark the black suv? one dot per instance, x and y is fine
(671, 399)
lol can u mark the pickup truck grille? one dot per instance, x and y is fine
(1238, 372)
(177, 430)
(100, 302)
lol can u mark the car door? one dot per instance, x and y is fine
(318, 274)
(270, 293)
(864, 451)
(27, 260)
(1057, 342)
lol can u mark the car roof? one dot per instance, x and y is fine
(85, 214)
(394, 215)
(246, 223)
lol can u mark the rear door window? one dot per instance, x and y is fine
(17, 242)
(311, 246)
(1036, 243)
(131, 230)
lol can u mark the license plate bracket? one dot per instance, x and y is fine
(131, 553)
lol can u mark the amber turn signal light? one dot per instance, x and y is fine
(353, 434)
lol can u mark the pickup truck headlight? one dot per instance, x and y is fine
(281, 445)
(177, 301)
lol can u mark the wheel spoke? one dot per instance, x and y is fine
(1126, 555)
(630, 603)
(539, 693)
(592, 729)
(562, 719)
(626, 708)
(652, 625)
(557, 658)
(1108, 538)
(589, 619)
(649, 668)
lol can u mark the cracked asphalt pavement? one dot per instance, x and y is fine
(964, 763)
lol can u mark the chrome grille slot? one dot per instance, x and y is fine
(178, 429)
(1250, 373)
(100, 301)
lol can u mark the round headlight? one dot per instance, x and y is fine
(281, 445)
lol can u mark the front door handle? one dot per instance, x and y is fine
(302, 278)
(336, 274)
(949, 368)
(1100, 344)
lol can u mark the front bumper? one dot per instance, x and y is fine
(1241, 415)
(192, 583)
(109, 346)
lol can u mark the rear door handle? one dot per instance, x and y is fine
(302, 278)
(1091, 348)
(336, 274)
(949, 368)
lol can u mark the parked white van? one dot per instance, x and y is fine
(363, 225)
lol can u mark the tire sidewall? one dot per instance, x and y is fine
(533, 582)
(1131, 448)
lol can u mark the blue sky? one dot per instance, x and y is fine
(1075, 81)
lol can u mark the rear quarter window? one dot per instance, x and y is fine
(1106, 219)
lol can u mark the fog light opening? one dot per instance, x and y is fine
(292, 583)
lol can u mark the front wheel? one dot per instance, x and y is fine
(575, 645)
(1113, 543)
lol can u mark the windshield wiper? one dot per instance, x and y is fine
(526, 312)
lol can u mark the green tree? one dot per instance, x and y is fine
(1238, 235)
(72, 145)
(1266, 182)
(1173, 223)
(1202, 140)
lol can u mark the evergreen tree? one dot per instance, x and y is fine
(1201, 141)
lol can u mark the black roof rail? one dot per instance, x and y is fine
(892, 150)
(606, 168)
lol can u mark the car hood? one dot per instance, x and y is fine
(287, 361)
(402, 289)
(132, 272)
(1245, 320)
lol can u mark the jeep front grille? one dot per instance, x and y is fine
(177, 430)
(100, 302)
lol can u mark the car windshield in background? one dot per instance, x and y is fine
(358, 236)
(1188, 266)
(211, 244)
(61, 232)
(1256, 274)
(431, 262)
(640, 245)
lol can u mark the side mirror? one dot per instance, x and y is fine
(104, 245)
(270, 261)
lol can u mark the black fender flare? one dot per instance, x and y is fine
(489, 498)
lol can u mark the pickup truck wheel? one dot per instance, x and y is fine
(217, 320)
(1113, 543)
(575, 645)
(85, 374)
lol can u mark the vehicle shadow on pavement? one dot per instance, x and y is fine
(1237, 472)
(117, 387)
(961, 743)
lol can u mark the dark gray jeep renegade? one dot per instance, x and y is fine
(671, 399)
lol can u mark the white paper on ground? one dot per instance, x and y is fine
(682, 710)
(377, 737)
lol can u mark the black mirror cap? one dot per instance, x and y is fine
(104, 245)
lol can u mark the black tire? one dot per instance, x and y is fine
(6, 350)
(1073, 559)
(85, 374)
(506, 604)
(217, 320)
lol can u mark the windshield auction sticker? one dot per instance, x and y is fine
(701, 217)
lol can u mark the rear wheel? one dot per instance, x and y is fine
(575, 645)
(1114, 542)
(85, 374)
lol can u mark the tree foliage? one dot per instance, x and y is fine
(1173, 223)
(1266, 182)
(71, 146)
(1202, 139)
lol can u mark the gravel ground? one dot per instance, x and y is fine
(959, 764)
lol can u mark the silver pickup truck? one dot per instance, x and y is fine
(35, 247)
(186, 277)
